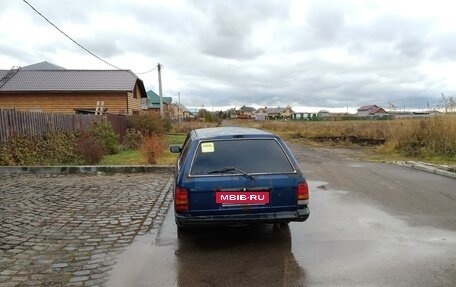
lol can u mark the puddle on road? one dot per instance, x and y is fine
(344, 242)
(149, 261)
(231, 256)
(359, 165)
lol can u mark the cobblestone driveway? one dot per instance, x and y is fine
(66, 230)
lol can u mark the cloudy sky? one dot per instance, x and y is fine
(311, 54)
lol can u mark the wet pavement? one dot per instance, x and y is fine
(345, 243)
(371, 224)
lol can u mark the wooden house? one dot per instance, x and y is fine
(245, 112)
(152, 103)
(44, 87)
(179, 111)
(371, 111)
(274, 113)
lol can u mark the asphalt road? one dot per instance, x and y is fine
(371, 224)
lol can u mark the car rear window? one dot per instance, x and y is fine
(249, 155)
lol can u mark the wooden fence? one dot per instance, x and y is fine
(119, 125)
(30, 123)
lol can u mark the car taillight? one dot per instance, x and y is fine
(181, 200)
(303, 193)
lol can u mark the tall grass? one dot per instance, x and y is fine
(418, 138)
(430, 137)
(310, 129)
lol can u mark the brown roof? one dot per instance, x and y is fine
(367, 108)
(71, 81)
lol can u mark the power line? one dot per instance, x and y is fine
(147, 71)
(66, 35)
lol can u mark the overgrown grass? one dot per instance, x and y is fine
(169, 158)
(126, 157)
(134, 157)
(431, 139)
(176, 139)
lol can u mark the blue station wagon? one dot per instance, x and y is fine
(230, 176)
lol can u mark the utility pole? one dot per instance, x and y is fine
(179, 108)
(179, 101)
(160, 94)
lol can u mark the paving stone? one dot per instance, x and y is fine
(8, 272)
(59, 265)
(67, 230)
(19, 278)
(81, 273)
(4, 278)
(79, 279)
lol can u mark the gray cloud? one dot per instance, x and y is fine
(227, 34)
(252, 52)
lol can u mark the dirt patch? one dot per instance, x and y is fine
(342, 139)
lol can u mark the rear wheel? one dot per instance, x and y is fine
(180, 226)
(280, 225)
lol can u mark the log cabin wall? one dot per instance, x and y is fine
(57, 102)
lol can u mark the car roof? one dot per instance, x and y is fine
(228, 132)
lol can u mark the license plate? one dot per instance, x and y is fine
(244, 197)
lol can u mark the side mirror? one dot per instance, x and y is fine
(175, 149)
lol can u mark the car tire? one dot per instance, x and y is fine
(180, 226)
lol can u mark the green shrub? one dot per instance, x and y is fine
(57, 148)
(149, 123)
(60, 148)
(22, 150)
(132, 139)
(4, 155)
(90, 148)
(105, 134)
(51, 148)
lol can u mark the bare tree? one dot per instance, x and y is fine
(392, 106)
(448, 104)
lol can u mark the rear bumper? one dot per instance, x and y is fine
(274, 217)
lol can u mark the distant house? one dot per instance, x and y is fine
(371, 111)
(274, 113)
(260, 115)
(324, 114)
(179, 111)
(245, 112)
(45, 87)
(152, 103)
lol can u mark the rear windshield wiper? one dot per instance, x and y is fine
(231, 169)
